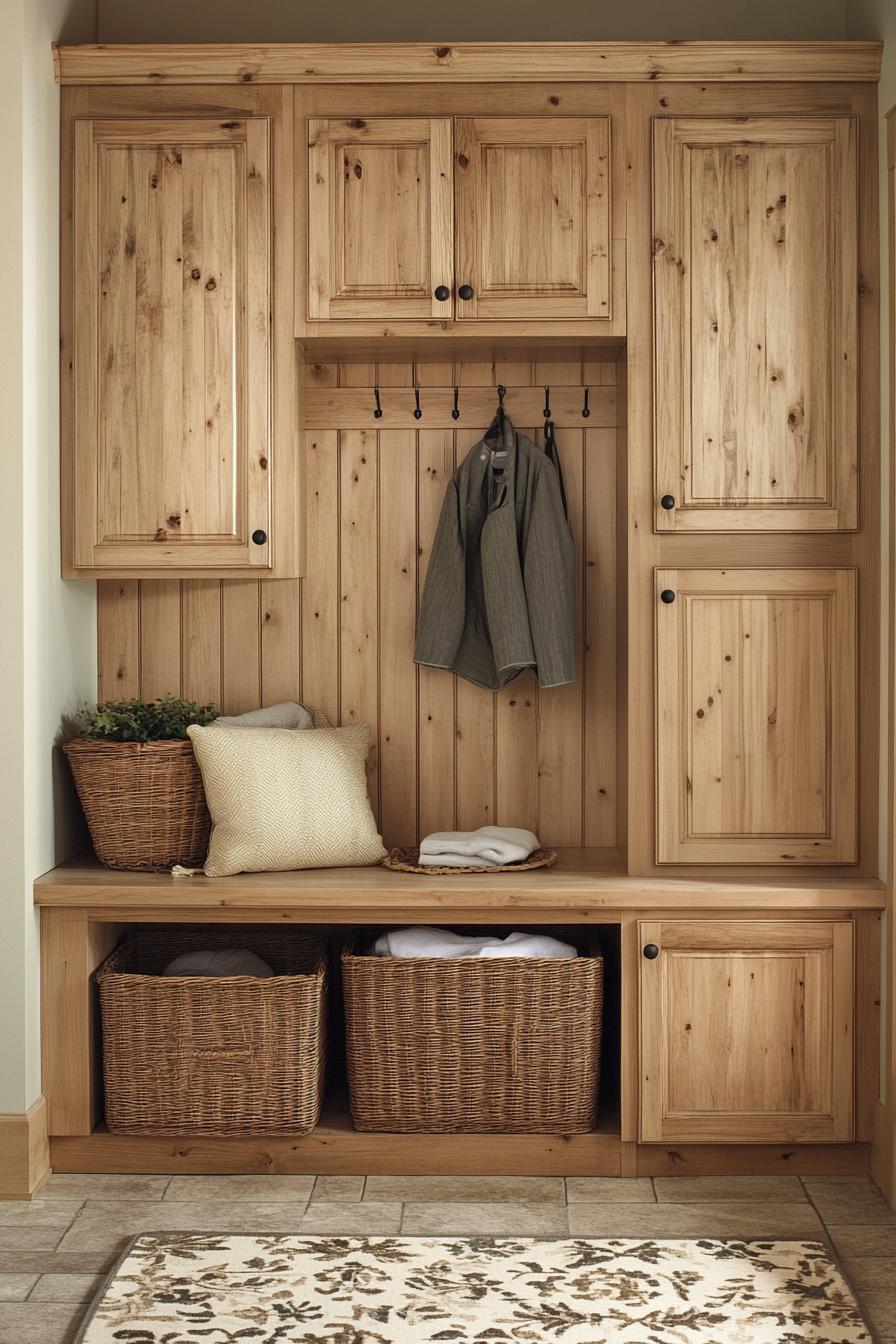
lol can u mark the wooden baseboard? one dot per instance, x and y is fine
(746, 1159)
(24, 1152)
(883, 1151)
(337, 1148)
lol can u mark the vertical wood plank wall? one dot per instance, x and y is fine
(446, 753)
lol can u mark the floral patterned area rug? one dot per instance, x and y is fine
(186, 1287)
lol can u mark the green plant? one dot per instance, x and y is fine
(141, 721)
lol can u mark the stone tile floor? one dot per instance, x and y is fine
(54, 1250)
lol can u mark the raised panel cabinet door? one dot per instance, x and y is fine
(746, 1031)
(756, 716)
(533, 217)
(755, 293)
(172, 344)
(380, 222)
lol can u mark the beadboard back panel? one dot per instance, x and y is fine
(447, 754)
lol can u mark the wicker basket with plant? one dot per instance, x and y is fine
(139, 783)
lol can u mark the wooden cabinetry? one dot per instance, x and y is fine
(462, 232)
(172, 345)
(755, 283)
(756, 716)
(533, 216)
(746, 1031)
(531, 201)
(381, 235)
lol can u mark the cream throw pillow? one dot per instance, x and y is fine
(281, 800)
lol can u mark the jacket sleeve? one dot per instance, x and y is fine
(549, 575)
(441, 622)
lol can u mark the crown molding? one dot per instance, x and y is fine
(474, 62)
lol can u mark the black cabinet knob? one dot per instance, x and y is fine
(466, 292)
(668, 501)
(259, 537)
(667, 596)
(651, 951)
(442, 292)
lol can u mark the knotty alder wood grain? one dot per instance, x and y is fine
(648, 548)
(172, 239)
(446, 753)
(584, 886)
(533, 216)
(746, 1031)
(531, 201)
(381, 218)
(756, 716)
(394, 62)
(755, 277)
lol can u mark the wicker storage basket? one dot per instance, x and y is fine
(443, 1045)
(143, 801)
(214, 1055)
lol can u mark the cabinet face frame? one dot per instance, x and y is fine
(816, 1025)
(250, 377)
(475, 137)
(686, 318)
(330, 292)
(678, 790)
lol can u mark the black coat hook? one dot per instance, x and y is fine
(378, 413)
(547, 403)
(502, 392)
(455, 414)
(586, 410)
(418, 414)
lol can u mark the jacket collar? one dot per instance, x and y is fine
(501, 434)
(495, 462)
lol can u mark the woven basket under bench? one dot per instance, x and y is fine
(475, 1045)
(214, 1055)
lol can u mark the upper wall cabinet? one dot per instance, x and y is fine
(471, 218)
(755, 292)
(533, 217)
(381, 235)
(172, 345)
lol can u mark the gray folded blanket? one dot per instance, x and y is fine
(290, 714)
(219, 961)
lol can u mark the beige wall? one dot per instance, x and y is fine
(47, 657)
(487, 20)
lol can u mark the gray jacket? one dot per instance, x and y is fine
(500, 588)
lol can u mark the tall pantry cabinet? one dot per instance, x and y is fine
(752, 568)
(294, 278)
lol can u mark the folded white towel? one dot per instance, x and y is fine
(490, 845)
(456, 861)
(289, 714)
(425, 942)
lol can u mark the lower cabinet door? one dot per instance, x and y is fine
(746, 1031)
(756, 716)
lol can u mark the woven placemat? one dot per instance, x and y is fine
(408, 861)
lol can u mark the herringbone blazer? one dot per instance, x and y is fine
(500, 587)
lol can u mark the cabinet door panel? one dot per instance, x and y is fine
(172, 343)
(533, 207)
(380, 228)
(755, 273)
(746, 1031)
(756, 716)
